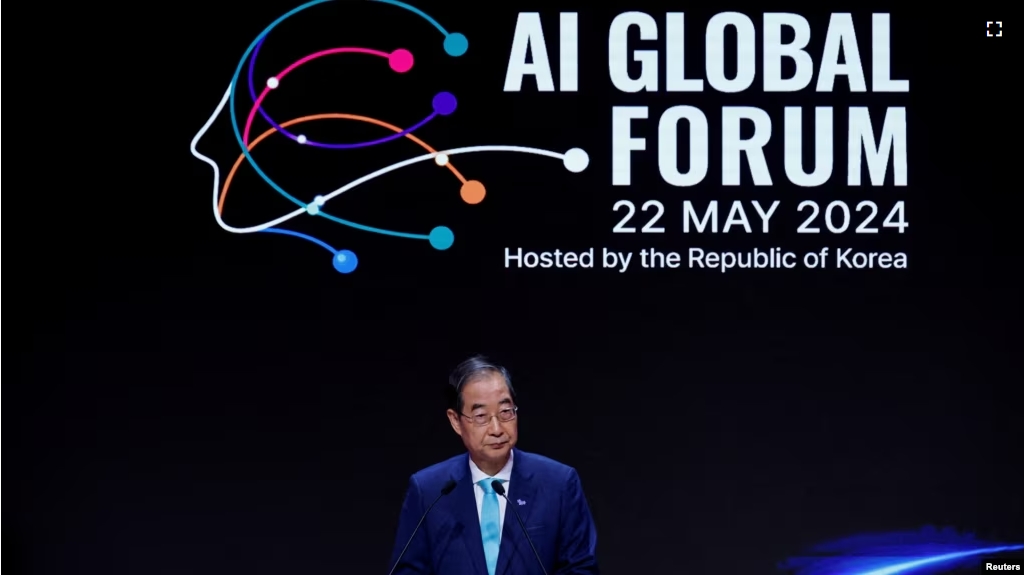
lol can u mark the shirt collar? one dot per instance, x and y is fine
(505, 474)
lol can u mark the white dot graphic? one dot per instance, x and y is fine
(302, 140)
(312, 209)
(441, 159)
(576, 160)
(272, 82)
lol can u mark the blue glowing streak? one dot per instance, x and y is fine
(909, 565)
(926, 551)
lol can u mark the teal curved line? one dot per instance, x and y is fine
(375, 230)
(416, 11)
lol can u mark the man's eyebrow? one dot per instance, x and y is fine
(477, 406)
(506, 401)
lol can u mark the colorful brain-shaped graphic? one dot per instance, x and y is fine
(399, 60)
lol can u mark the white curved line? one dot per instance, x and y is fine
(359, 181)
(425, 157)
(217, 176)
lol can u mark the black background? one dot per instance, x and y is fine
(189, 400)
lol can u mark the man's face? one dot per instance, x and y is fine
(485, 398)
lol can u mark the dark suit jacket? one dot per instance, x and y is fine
(546, 494)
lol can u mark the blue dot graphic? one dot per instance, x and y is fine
(444, 103)
(456, 44)
(441, 238)
(345, 261)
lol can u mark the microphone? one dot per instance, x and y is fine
(445, 490)
(500, 489)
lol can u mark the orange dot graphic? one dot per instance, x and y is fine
(472, 192)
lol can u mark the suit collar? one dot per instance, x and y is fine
(522, 469)
(522, 500)
(465, 511)
(521, 489)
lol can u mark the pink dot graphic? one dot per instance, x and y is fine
(401, 60)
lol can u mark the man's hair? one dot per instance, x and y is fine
(469, 371)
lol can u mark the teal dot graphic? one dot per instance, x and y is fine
(456, 44)
(441, 238)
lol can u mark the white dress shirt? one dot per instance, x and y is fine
(478, 492)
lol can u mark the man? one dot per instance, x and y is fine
(471, 531)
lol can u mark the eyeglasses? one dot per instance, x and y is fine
(482, 419)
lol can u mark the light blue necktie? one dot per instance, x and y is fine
(490, 525)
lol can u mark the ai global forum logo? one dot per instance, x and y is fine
(399, 60)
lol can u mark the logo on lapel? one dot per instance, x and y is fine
(520, 502)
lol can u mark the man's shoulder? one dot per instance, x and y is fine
(440, 472)
(543, 465)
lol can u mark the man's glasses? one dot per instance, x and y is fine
(482, 419)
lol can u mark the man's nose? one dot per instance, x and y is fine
(495, 428)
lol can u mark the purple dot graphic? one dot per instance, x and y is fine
(444, 103)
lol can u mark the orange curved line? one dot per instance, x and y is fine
(265, 135)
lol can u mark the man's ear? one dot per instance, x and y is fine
(453, 418)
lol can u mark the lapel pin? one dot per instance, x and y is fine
(520, 502)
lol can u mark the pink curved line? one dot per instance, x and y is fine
(293, 66)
